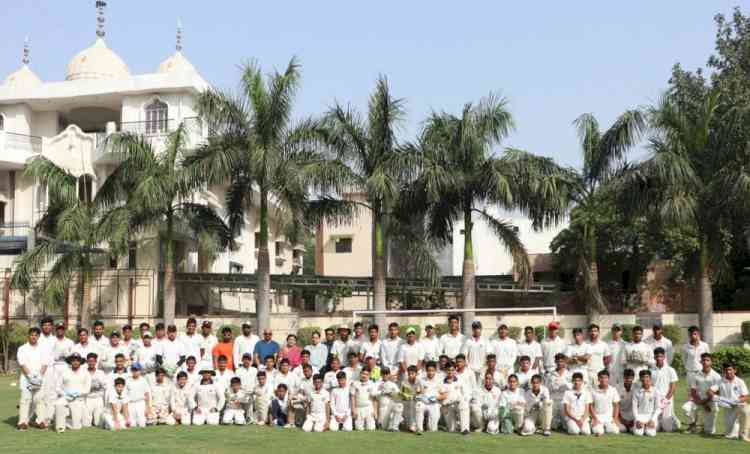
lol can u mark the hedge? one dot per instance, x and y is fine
(746, 331)
(739, 356)
(441, 328)
(514, 332)
(541, 331)
(304, 335)
(402, 330)
(673, 333)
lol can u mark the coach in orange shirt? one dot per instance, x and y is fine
(224, 347)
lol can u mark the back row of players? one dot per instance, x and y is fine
(491, 384)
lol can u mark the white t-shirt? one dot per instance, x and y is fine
(733, 390)
(410, 354)
(506, 352)
(362, 393)
(340, 402)
(578, 350)
(33, 357)
(191, 345)
(577, 401)
(242, 344)
(514, 398)
(118, 400)
(550, 348)
(664, 343)
(137, 389)
(531, 349)
(604, 401)
(389, 351)
(663, 377)
(431, 348)
(450, 345)
(475, 349)
(702, 382)
(318, 401)
(691, 355)
(368, 348)
(598, 351)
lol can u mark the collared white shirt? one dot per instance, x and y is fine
(450, 345)
(646, 404)
(604, 401)
(506, 352)
(663, 377)
(598, 351)
(389, 349)
(531, 349)
(535, 401)
(733, 390)
(33, 357)
(368, 348)
(431, 348)
(318, 401)
(664, 343)
(550, 348)
(691, 355)
(702, 382)
(577, 401)
(191, 345)
(244, 344)
(475, 349)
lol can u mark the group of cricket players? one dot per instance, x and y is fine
(364, 381)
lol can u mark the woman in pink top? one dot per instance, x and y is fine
(291, 351)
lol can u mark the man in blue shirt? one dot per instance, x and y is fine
(266, 347)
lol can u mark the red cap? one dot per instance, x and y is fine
(553, 325)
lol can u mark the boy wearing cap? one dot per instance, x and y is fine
(389, 348)
(531, 348)
(552, 345)
(139, 397)
(95, 398)
(658, 340)
(475, 349)
(410, 353)
(704, 386)
(616, 362)
(116, 415)
(665, 379)
(244, 343)
(452, 341)
(430, 344)
(33, 360)
(72, 389)
(209, 400)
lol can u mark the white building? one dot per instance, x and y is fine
(67, 122)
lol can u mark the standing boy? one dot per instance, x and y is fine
(341, 408)
(363, 392)
(33, 360)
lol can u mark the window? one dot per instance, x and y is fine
(257, 240)
(343, 245)
(85, 186)
(113, 261)
(235, 268)
(157, 114)
(278, 248)
(132, 256)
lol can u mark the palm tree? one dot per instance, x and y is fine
(462, 178)
(254, 146)
(159, 193)
(366, 161)
(696, 178)
(603, 152)
(71, 241)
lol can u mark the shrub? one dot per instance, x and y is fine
(236, 330)
(12, 336)
(673, 333)
(627, 332)
(541, 331)
(746, 331)
(402, 330)
(739, 356)
(441, 328)
(304, 335)
(514, 332)
(679, 364)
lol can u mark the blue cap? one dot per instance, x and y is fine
(136, 366)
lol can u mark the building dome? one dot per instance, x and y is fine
(23, 79)
(177, 63)
(97, 62)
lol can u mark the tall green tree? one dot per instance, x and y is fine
(74, 237)
(158, 193)
(603, 152)
(697, 176)
(254, 146)
(461, 178)
(368, 163)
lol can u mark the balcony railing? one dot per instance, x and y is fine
(14, 230)
(21, 142)
(160, 127)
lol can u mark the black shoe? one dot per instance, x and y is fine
(465, 432)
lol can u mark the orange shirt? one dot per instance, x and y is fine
(226, 349)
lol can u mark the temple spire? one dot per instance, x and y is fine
(26, 58)
(178, 44)
(100, 20)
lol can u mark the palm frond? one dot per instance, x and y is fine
(511, 241)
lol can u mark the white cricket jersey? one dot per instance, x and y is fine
(575, 350)
(236, 399)
(468, 381)
(208, 396)
(702, 382)
(343, 348)
(116, 400)
(506, 351)
(191, 345)
(340, 403)
(691, 355)
(84, 350)
(536, 400)
(146, 356)
(368, 348)
(550, 348)
(137, 389)
(352, 373)
(181, 399)
(223, 379)
(664, 343)
(207, 343)
(362, 393)
(431, 348)
(524, 378)
(646, 404)
(318, 401)
(475, 349)
(108, 354)
(558, 383)
(74, 381)
(243, 344)
(430, 387)
(389, 349)
(289, 379)
(410, 354)
(450, 345)
(531, 349)
(47, 342)
(330, 381)
(514, 398)
(577, 401)
(604, 401)
(161, 394)
(638, 356)
(61, 349)
(662, 378)
(490, 398)
(102, 342)
(299, 371)
(171, 351)
(33, 357)
(99, 383)
(616, 351)
(248, 376)
(455, 392)
(598, 351)
(733, 390)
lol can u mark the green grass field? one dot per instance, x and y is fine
(282, 441)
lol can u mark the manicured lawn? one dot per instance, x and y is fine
(282, 441)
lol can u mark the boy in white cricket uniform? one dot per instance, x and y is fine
(497, 378)
(409, 390)
(330, 380)
(455, 406)
(72, 389)
(646, 407)
(110, 352)
(390, 408)
(33, 360)
(505, 350)
(61, 348)
(410, 353)
(578, 354)
(475, 349)
(600, 354)
(207, 343)
(341, 407)
(558, 382)
(616, 364)
(524, 372)
(638, 354)
(244, 343)
(605, 406)
(116, 415)
(733, 396)
(430, 344)
(236, 401)
(485, 406)
(515, 402)
(248, 375)
(318, 408)
(658, 340)
(146, 355)
(427, 405)
(576, 406)
(703, 387)
(181, 400)
(139, 397)
(371, 347)
(209, 400)
(363, 392)
(665, 379)
(531, 348)
(84, 345)
(552, 346)
(161, 395)
(224, 375)
(191, 341)
(95, 398)
(453, 340)
(389, 348)
(692, 352)
(538, 411)
(626, 390)
(262, 396)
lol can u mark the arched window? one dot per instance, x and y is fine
(157, 114)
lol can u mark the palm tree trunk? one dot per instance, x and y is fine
(84, 303)
(468, 275)
(262, 304)
(378, 268)
(705, 294)
(170, 297)
(594, 301)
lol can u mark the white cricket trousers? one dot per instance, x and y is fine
(737, 421)
(668, 422)
(429, 411)
(32, 401)
(709, 417)
(206, 417)
(234, 416)
(314, 422)
(485, 420)
(390, 414)
(574, 429)
(643, 430)
(75, 410)
(604, 425)
(456, 416)
(261, 411)
(538, 418)
(345, 425)
(94, 411)
(109, 421)
(162, 415)
(365, 418)
(137, 413)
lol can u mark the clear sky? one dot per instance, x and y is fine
(554, 60)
